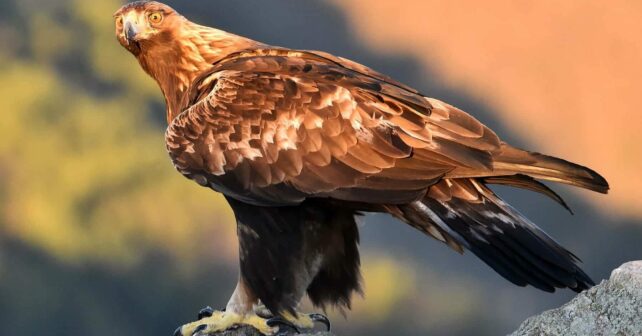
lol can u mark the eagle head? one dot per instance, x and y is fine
(144, 25)
(170, 48)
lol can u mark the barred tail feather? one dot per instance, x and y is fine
(504, 239)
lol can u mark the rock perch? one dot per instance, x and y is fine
(614, 307)
(250, 331)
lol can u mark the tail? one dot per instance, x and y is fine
(465, 213)
(511, 160)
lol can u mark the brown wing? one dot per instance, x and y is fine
(277, 126)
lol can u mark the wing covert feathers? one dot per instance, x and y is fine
(327, 127)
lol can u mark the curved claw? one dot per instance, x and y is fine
(205, 312)
(199, 329)
(279, 321)
(179, 330)
(320, 318)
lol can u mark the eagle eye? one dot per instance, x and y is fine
(155, 17)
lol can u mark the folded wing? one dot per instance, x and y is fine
(277, 126)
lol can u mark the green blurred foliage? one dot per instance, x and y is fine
(85, 166)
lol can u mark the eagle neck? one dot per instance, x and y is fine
(176, 63)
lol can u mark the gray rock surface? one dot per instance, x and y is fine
(614, 307)
(249, 331)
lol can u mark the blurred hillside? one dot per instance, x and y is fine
(100, 236)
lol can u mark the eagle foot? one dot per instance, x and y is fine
(299, 322)
(213, 322)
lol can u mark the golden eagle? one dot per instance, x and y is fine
(300, 142)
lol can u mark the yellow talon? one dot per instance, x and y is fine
(299, 321)
(302, 321)
(220, 321)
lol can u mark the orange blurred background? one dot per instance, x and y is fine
(564, 75)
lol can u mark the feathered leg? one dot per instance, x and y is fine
(284, 252)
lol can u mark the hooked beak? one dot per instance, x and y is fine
(131, 32)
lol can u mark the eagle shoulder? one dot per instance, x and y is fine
(279, 126)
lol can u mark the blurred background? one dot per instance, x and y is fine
(100, 236)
